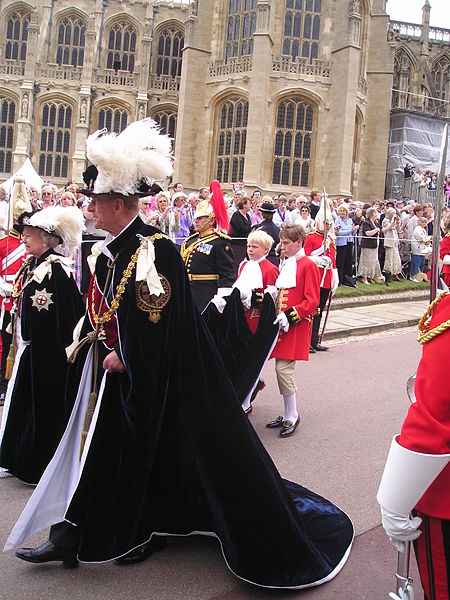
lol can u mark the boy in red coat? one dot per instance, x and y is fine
(255, 276)
(298, 298)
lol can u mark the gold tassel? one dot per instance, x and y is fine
(87, 420)
(11, 358)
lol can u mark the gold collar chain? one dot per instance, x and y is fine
(16, 292)
(107, 315)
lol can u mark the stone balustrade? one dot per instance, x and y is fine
(123, 79)
(304, 68)
(414, 31)
(166, 83)
(54, 72)
(12, 68)
(231, 67)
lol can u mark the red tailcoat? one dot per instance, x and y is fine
(294, 345)
(313, 242)
(269, 275)
(443, 250)
(12, 256)
(427, 425)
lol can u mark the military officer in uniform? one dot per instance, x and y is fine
(207, 253)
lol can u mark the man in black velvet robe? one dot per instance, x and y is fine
(166, 453)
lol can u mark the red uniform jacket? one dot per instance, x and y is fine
(12, 256)
(294, 345)
(427, 425)
(314, 241)
(443, 250)
(269, 275)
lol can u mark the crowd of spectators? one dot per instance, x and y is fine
(375, 242)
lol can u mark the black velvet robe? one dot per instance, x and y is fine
(39, 409)
(173, 453)
(243, 353)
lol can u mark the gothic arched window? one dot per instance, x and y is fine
(302, 28)
(440, 76)
(112, 118)
(54, 148)
(231, 141)
(401, 80)
(167, 121)
(293, 142)
(17, 35)
(241, 25)
(71, 40)
(121, 47)
(170, 49)
(7, 121)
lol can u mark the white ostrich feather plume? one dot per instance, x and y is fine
(65, 222)
(124, 160)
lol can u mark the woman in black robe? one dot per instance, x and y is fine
(47, 308)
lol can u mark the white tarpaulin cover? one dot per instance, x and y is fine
(415, 139)
(28, 173)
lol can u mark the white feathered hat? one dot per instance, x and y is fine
(140, 154)
(66, 223)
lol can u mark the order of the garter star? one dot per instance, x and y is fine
(42, 299)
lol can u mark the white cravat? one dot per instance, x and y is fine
(288, 274)
(250, 277)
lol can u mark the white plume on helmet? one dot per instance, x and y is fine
(124, 160)
(64, 222)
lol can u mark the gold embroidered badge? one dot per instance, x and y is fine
(150, 303)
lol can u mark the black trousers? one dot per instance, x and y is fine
(344, 261)
(324, 293)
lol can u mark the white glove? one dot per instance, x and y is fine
(400, 528)
(273, 291)
(446, 260)
(219, 302)
(334, 281)
(323, 262)
(5, 288)
(246, 298)
(282, 321)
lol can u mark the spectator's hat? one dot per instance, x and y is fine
(399, 202)
(178, 195)
(127, 163)
(267, 207)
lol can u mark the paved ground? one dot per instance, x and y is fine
(365, 319)
(352, 400)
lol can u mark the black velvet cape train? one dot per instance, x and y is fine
(243, 353)
(39, 410)
(173, 453)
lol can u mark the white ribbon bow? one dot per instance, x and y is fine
(145, 267)
(45, 268)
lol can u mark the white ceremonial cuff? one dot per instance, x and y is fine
(407, 476)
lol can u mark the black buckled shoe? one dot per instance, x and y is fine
(278, 422)
(312, 350)
(320, 348)
(249, 410)
(143, 552)
(289, 427)
(48, 552)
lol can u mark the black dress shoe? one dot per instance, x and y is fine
(249, 410)
(312, 350)
(320, 348)
(278, 422)
(289, 427)
(48, 552)
(143, 552)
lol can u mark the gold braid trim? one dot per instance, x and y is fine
(425, 333)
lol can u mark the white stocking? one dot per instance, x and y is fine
(290, 408)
